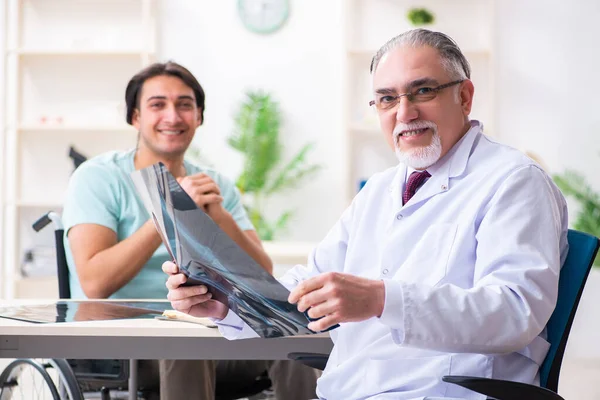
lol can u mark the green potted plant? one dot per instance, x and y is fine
(256, 137)
(573, 184)
(420, 16)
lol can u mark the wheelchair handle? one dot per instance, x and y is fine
(46, 219)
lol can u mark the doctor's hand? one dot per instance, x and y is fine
(338, 298)
(193, 300)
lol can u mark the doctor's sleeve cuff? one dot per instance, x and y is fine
(232, 327)
(393, 309)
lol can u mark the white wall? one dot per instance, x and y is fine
(299, 65)
(548, 102)
(548, 90)
(546, 93)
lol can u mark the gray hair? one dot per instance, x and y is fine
(453, 60)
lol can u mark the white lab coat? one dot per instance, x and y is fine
(470, 266)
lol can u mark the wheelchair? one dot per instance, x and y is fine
(68, 379)
(61, 379)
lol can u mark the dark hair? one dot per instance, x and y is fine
(170, 68)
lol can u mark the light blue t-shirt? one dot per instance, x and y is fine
(102, 192)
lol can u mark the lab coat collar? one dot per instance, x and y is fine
(451, 165)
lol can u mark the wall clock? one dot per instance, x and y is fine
(263, 16)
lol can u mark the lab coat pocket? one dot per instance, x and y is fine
(428, 260)
(414, 377)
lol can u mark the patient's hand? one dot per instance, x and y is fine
(193, 300)
(202, 189)
(205, 192)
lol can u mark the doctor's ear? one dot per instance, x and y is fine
(466, 96)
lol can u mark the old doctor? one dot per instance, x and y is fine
(446, 264)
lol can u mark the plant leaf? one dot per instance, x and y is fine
(257, 137)
(294, 171)
(573, 184)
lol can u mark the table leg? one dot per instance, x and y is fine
(133, 379)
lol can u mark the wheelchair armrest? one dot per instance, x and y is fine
(313, 360)
(502, 390)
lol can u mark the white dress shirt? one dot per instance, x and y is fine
(470, 266)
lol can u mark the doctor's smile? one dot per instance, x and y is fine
(414, 136)
(412, 133)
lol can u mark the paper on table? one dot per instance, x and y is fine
(179, 316)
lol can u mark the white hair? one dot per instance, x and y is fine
(453, 60)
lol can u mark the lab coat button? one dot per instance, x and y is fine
(399, 217)
(385, 271)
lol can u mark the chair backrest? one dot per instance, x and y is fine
(573, 275)
(62, 269)
(64, 287)
(77, 157)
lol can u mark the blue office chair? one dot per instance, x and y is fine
(573, 275)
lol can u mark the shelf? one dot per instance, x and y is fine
(51, 49)
(37, 279)
(77, 128)
(49, 205)
(75, 52)
(39, 287)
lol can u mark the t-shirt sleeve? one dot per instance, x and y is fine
(91, 198)
(232, 202)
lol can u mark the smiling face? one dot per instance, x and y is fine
(421, 132)
(166, 117)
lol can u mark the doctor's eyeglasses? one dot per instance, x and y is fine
(417, 95)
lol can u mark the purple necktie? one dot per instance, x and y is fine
(415, 180)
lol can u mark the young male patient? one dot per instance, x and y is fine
(114, 251)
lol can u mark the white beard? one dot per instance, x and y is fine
(420, 157)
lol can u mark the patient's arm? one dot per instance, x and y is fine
(105, 265)
(248, 240)
(206, 194)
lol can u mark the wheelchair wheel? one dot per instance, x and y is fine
(64, 379)
(38, 379)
